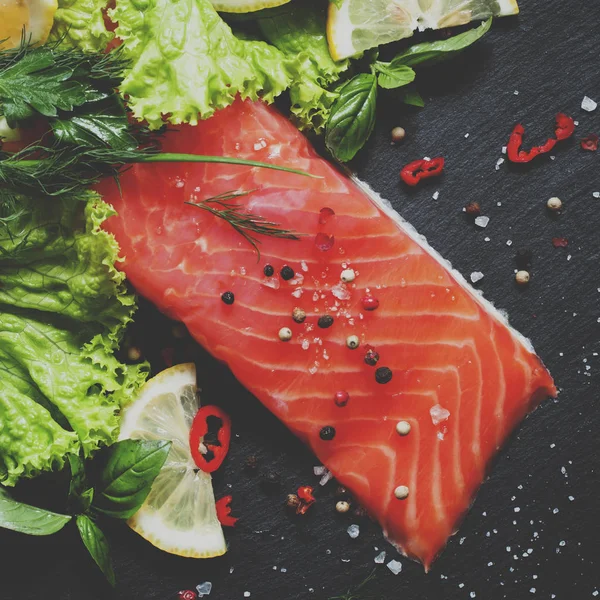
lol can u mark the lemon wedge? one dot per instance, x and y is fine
(354, 26)
(179, 515)
(245, 6)
(36, 16)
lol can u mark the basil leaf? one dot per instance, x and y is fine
(80, 497)
(429, 53)
(28, 519)
(413, 98)
(96, 124)
(97, 545)
(125, 481)
(393, 76)
(352, 117)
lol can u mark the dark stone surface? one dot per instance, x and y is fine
(550, 56)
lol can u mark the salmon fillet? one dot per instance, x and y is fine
(461, 378)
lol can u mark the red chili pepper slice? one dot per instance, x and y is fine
(565, 126)
(305, 493)
(224, 512)
(209, 454)
(413, 172)
(590, 143)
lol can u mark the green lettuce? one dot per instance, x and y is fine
(300, 34)
(63, 309)
(80, 24)
(186, 62)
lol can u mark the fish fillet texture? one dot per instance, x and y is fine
(461, 377)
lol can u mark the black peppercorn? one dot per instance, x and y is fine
(287, 273)
(228, 297)
(268, 271)
(325, 321)
(383, 375)
(523, 258)
(327, 433)
(371, 357)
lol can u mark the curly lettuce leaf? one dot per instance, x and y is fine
(80, 24)
(186, 62)
(63, 309)
(300, 34)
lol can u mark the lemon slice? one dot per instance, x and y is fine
(179, 515)
(355, 25)
(36, 16)
(245, 6)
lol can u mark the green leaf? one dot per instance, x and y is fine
(96, 124)
(80, 496)
(393, 76)
(97, 545)
(36, 83)
(352, 117)
(125, 482)
(429, 53)
(28, 519)
(413, 98)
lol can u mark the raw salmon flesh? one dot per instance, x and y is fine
(411, 436)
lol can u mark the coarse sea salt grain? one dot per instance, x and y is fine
(476, 276)
(395, 566)
(204, 589)
(436, 195)
(596, 194)
(380, 558)
(588, 104)
(498, 163)
(482, 221)
(353, 531)
(320, 470)
(438, 414)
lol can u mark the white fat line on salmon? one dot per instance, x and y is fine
(419, 239)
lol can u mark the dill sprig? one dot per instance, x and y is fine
(245, 223)
(356, 594)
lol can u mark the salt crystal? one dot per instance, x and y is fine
(503, 149)
(588, 104)
(509, 242)
(472, 594)
(353, 531)
(532, 590)
(395, 566)
(231, 569)
(380, 558)
(476, 276)
(462, 540)
(571, 498)
(246, 594)
(305, 344)
(498, 163)
(340, 291)
(596, 194)
(438, 414)
(272, 282)
(461, 585)
(327, 477)
(298, 293)
(487, 239)
(466, 135)
(562, 543)
(517, 509)
(204, 589)
(555, 511)
(516, 93)
(436, 195)
(304, 265)
(482, 222)
(319, 470)
(283, 570)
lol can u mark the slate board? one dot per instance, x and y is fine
(549, 55)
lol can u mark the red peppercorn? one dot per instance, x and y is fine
(590, 143)
(473, 209)
(370, 303)
(341, 398)
(305, 493)
(187, 595)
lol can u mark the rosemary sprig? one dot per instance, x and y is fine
(245, 223)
